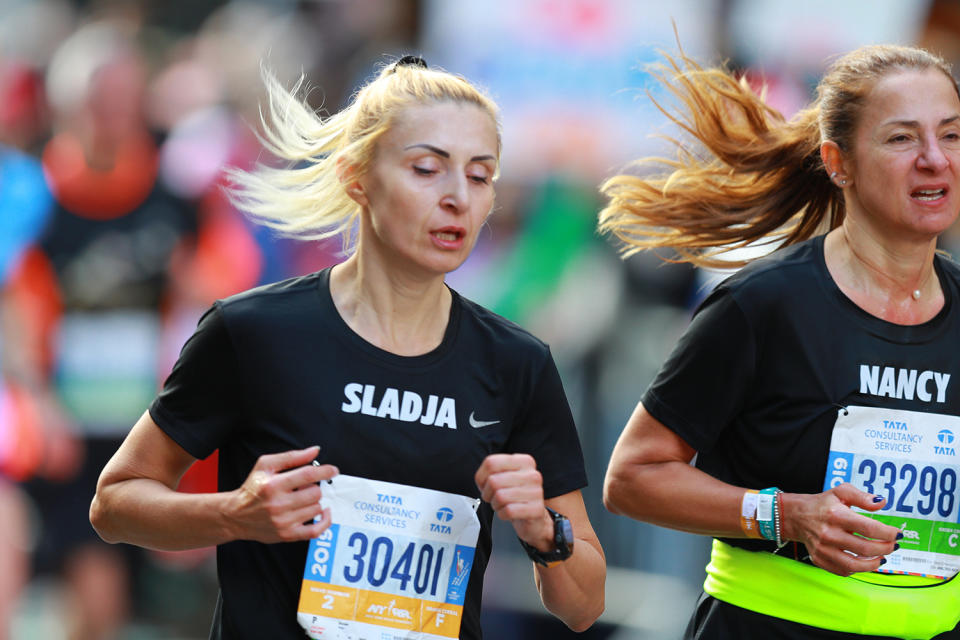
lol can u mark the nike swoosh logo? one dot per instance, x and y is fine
(476, 424)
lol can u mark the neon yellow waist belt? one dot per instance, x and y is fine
(914, 608)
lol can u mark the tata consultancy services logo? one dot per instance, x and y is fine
(945, 436)
(444, 514)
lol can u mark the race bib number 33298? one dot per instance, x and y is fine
(394, 564)
(910, 459)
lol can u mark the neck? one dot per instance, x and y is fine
(894, 281)
(897, 270)
(395, 311)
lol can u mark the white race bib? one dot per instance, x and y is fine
(909, 458)
(394, 565)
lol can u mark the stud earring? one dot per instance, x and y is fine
(843, 183)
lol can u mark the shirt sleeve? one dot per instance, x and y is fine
(705, 381)
(199, 404)
(546, 431)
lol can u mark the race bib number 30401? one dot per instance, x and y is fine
(910, 459)
(394, 564)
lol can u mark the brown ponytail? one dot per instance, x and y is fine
(758, 177)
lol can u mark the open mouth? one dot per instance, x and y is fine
(448, 235)
(928, 195)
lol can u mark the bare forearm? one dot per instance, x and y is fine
(574, 590)
(676, 495)
(149, 514)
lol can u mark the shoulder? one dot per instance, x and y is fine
(948, 266)
(796, 261)
(505, 337)
(791, 273)
(274, 301)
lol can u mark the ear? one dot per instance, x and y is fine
(347, 174)
(835, 163)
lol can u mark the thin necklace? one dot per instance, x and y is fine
(915, 294)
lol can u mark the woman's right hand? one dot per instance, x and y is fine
(837, 538)
(280, 498)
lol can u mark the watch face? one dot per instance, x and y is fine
(565, 529)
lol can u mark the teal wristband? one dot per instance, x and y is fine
(767, 513)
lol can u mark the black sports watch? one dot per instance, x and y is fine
(562, 540)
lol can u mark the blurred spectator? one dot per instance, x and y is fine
(98, 275)
(24, 207)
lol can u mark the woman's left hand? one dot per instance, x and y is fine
(512, 485)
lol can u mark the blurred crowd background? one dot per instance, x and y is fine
(117, 120)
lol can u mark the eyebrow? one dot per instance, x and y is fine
(915, 123)
(445, 154)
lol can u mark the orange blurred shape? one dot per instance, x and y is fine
(226, 259)
(101, 194)
(34, 296)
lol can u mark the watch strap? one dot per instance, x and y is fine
(562, 541)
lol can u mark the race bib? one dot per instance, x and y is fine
(394, 565)
(910, 459)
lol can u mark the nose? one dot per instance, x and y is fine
(932, 158)
(455, 194)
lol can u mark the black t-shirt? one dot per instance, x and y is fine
(276, 368)
(119, 262)
(773, 354)
(112, 276)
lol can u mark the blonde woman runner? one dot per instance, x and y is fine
(373, 368)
